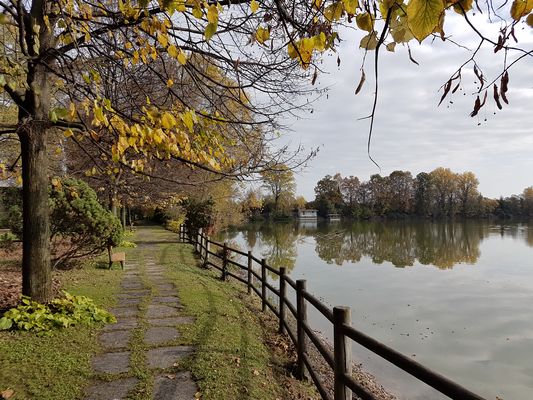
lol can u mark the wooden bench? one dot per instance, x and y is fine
(116, 257)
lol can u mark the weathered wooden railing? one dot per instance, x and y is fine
(340, 360)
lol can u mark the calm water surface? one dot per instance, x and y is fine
(457, 297)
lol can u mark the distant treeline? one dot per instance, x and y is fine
(439, 193)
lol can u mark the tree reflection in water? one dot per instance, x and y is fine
(442, 244)
(403, 243)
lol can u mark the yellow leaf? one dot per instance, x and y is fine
(320, 41)
(168, 121)
(172, 51)
(212, 14)
(254, 5)
(317, 4)
(370, 41)
(170, 83)
(350, 6)
(182, 58)
(521, 8)
(423, 17)
(162, 39)
(187, 119)
(262, 35)
(391, 46)
(333, 12)
(210, 30)
(466, 5)
(529, 20)
(68, 133)
(365, 22)
(197, 12)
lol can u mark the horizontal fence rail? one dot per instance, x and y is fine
(254, 275)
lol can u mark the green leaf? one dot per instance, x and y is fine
(5, 323)
(424, 16)
(210, 30)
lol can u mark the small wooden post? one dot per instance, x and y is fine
(250, 276)
(224, 262)
(207, 248)
(342, 352)
(282, 298)
(181, 233)
(301, 318)
(263, 286)
(198, 238)
(202, 247)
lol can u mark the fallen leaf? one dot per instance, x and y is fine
(7, 394)
(256, 372)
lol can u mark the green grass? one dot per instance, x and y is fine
(57, 366)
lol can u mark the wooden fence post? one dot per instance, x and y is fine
(224, 262)
(207, 249)
(301, 318)
(263, 286)
(198, 238)
(250, 276)
(342, 352)
(282, 298)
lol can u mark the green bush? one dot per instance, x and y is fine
(81, 226)
(60, 313)
(198, 214)
(14, 220)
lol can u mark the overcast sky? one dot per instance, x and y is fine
(411, 132)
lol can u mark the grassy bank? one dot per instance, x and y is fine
(57, 366)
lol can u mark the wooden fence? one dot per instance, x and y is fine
(340, 361)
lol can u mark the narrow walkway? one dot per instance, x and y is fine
(143, 341)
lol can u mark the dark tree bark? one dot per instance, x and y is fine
(36, 270)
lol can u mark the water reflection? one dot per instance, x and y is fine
(441, 244)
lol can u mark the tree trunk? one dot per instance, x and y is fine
(36, 270)
(123, 215)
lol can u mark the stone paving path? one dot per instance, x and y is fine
(148, 304)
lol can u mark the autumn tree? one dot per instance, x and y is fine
(49, 71)
(527, 195)
(467, 184)
(280, 186)
(328, 196)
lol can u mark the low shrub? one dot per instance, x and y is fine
(59, 313)
(173, 225)
(81, 226)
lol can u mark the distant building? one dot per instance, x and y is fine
(334, 217)
(307, 214)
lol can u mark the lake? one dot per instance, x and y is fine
(456, 297)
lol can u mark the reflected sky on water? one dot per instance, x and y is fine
(456, 297)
